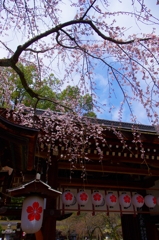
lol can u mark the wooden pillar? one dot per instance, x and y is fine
(39, 235)
(130, 227)
(138, 227)
(152, 231)
(49, 221)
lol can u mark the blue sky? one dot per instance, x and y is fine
(115, 101)
(132, 27)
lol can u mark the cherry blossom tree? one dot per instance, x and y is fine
(92, 36)
(73, 38)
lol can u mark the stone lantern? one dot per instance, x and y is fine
(8, 232)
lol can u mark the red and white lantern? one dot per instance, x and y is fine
(150, 201)
(125, 200)
(32, 214)
(82, 198)
(137, 200)
(68, 198)
(111, 199)
(97, 199)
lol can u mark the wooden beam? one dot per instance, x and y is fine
(115, 159)
(111, 169)
(100, 184)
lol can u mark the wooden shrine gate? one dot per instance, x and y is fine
(122, 170)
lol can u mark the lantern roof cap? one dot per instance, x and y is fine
(35, 186)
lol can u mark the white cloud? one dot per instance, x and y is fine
(131, 23)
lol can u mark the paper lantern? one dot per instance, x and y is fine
(82, 198)
(32, 214)
(125, 200)
(68, 198)
(150, 201)
(97, 199)
(111, 199)
(137, 200)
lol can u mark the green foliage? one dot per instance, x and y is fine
(90, 114)
(18, 92)
(15, 203)
(49, 90)
(41, 87)
(17, 200)
(98, 226)
(82, 104)
(1, 230)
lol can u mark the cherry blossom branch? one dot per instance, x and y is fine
(21, 48)
(11, 62)
(121, 88)
(139, 65)
(84, 15)
(150, 52)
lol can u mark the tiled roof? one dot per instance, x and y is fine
(121, 125)
(125, 125)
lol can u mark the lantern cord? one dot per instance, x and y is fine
(38, 163)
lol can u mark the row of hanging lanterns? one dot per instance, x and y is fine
(97, 198)
(33, 206)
